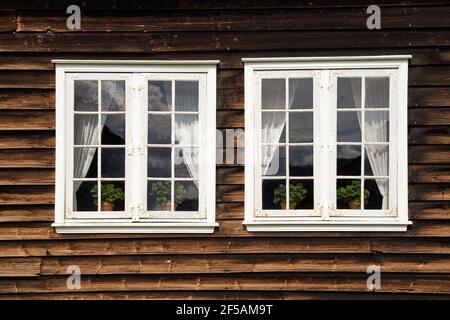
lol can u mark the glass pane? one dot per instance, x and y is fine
(348, 160)
(301, 161)
(85, 196)
(85, 129)
(376, 160)
(376, 126)
(349, 92)
(377, 194)
(113, 132)
(159, 129)
(186, 162)
(348, 129)
(273, 93)
(273, 160)
(301, 194)
(186, 196)
(86, 95)
(85, 162)
(113, 95)
(274, 194)
(377, 92)
(348, 194)
(159, 195)
(113, 162)
(113, 196)
(159, 95)
(186, 95)
(300, 127)
(159, 162)
(273, 128)
(186, 129)
(301, 93)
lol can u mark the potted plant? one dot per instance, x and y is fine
(109, 195)
(352, 194)
(161, 190)
(297, 193)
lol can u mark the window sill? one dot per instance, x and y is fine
(324, 226)
(135, 227)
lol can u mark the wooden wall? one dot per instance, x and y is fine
(231, 263)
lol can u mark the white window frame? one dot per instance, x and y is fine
(135, 73)
(325, 217)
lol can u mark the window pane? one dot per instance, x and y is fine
(301, 194)
(159, 129)
(113, 162)
(113, 132)
(348, 194)
(159, 162)
(273, 160)
(273, 94)
(86, 95)
(85, 162)
(186, 95)
(376, 126)
(348, 128)
(186, 196)
(301, 161)
(377, 92)
(301, 93)
(348, 160)
(85, 129)
(159, 95)
(274, 194)
(113, 95)
(377, 194)
(186, 129)
(113, 196)
(159, 195)
(83, 199)
(376, 160)
(273, 128)
(349, 92)
(186, 162)
(300, 127)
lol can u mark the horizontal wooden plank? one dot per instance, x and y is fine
(279, 263)
(429, 210)
(429, 116)
(26, 213)
(429, 97)
(20, 267)
(429, 173)
(429, 75)
(7, 20)
(429, 154)
(27, 139)
(218, 41)
(11, 177)
(429, 135)
(226, 175)
(230, 193)
(429, 192)
(418, 283)
(230, 119)
(27, 79)
(27, 99)
(27, 158)
(27, 120)
(29, 195)
(231, 210)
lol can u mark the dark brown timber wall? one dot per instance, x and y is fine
(231, 263)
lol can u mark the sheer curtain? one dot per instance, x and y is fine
(273, 123)
(186, 130)
(376, 130)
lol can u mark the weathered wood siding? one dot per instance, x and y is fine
(231, 263)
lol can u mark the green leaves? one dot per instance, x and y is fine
(108, 193)
(162, 191)
(352, 192)
(297, 193)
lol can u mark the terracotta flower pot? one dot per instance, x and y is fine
(283, 205)
(354, 205)
(107, 206)
(166, 206)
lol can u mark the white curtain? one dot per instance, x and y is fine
(186, 131)
(273, 123)
(376, 130)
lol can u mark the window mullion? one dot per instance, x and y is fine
(327, 142)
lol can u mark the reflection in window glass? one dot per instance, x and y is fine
(273, 94)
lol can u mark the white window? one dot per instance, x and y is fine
(326, 144)
(135, 146)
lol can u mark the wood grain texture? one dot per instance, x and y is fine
(20, 267)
